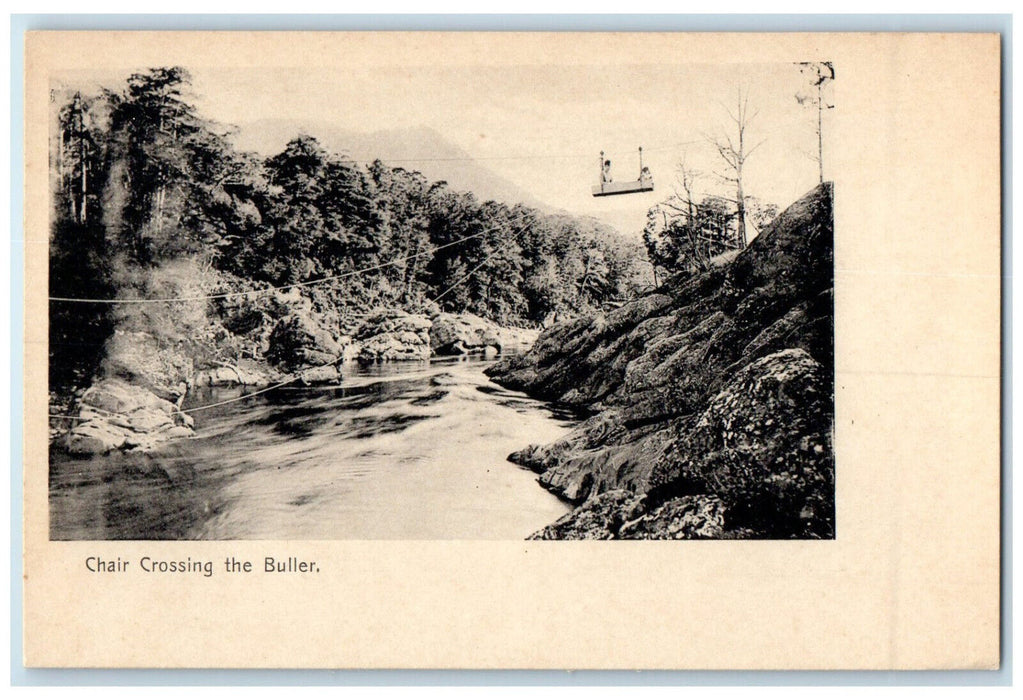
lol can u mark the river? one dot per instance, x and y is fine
(413, 450)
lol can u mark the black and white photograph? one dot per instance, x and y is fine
(496, 303)
(511, 350)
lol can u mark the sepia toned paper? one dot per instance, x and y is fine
(911, 579)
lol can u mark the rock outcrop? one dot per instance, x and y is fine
(132, 403)
(621, 514)
(297, 341)
(116, 415)
(714, 389)
(245, 372)
(140, 359)
(394, 335)
(298, 344)
(464, 334)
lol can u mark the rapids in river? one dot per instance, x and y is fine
(412, 450)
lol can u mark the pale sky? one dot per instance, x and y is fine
(543, 128)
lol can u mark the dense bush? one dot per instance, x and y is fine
(152, 200)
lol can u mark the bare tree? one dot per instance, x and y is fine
(820, 73)
(683, 202)
(734, 149)
(683, 197)
(687, 230)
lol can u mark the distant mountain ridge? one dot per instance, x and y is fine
(417, 148)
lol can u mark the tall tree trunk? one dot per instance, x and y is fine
(159, 209)
(85, 183)
(741, 206)
(410, 274)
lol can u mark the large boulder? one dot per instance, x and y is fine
(328, 374)
(461, 334)
(764, 446)
(298, 342)
(245, 372)
(113, 415)
(140, 359)
(394, 335)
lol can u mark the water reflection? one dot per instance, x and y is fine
(409, 450)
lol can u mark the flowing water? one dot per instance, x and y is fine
(396, 451)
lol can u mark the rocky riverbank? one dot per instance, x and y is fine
(117, 415)
(135, 401)
(712, 398)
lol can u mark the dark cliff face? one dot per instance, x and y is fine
(718, 386)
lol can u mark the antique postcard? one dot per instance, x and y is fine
(386, 350)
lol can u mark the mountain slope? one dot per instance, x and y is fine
(419, 148)
(712, 398)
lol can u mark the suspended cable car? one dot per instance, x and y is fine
(607, 187)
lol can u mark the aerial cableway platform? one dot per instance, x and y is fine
(607, 189)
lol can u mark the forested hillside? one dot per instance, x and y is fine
(153, 202)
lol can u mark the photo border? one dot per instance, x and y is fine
(20, 676)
